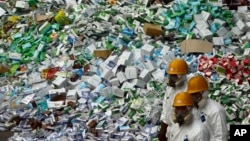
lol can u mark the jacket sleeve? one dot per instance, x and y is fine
(203, 134)
(164, 112)
(220, 125)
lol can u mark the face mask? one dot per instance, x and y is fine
(175, 80)
(172, 80)
(196, 100)
(171, 83)
(200, 102)
(182, 118)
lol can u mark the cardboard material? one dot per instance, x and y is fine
(102, 53)
(152, 29)
(40, 18)
(3, 69)
(195, 45)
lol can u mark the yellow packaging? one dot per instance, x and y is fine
(61, 18)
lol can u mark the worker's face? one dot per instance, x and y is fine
(196, 98)
(173, 78)
(180, 114)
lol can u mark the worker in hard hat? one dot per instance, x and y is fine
(177, 82)
(186, 127)
(211, 113)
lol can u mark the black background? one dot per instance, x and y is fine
(245, 137)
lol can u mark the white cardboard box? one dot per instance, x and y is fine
(131, 72)
(94, 81)
(158, 75)
(248, 35)
(127, 85)
(198, 17)
(115, 82)
(83, 92)
(205, 15)
(206, 33)
(164, 50)
(103, 66)
(107, 74)
(123, 61)
(149, 66)
(159, 62)
(118, 92)
(35, 78)
(236, 31)
(219, 21)
(233, 49)
(121, 77)
(145, 75)
(242, 9)
(137, 54)
(222, 32)
(91, 48)
(126, 55)
(147, 50)
(71, 95)
(22, 4)
(106, 91)
(248, 25)
(218, 41)
(113, 58)
(2, 11)
(59, 81)
(139, 83)
(241, 25)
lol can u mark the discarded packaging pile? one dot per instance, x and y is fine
(95, 70)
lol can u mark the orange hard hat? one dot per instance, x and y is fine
(183, 99)
(178, 66)
(197, 84)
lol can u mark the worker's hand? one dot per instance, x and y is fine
(162, 133)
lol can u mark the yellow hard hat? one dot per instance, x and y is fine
(178, 66)
(197, 84)
(183, 99)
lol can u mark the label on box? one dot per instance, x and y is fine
(15, 56)
(22, 4)
(55, 104)
(54, 91)
(71, 93)
(59, 81)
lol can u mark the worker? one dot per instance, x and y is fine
(186, 127)
(177, 82)
(211, 113)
